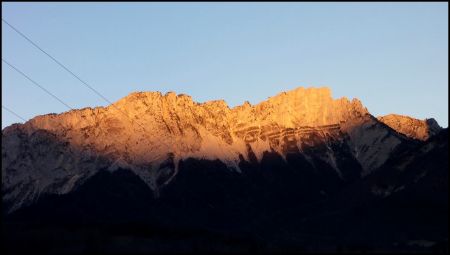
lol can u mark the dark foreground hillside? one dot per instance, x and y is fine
(272, 207)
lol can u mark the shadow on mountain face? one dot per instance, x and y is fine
(206, 202)
(280, 205)
(401, 206)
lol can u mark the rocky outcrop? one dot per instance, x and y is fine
(144, 130)
(411, 127)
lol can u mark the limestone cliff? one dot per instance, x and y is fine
(52, 153)
(411, 127)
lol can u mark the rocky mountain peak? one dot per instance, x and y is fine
(433, 126)
(310, 107)
(411, 127)
(141, 130)
(148, 125)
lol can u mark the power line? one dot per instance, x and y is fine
(55, 60)
(37, 84)
(67, 69)
(72, 73)
(17, 115)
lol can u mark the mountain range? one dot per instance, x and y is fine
(301, 171)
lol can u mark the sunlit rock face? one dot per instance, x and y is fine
(145, 130)
(411, 127)
(143, 127)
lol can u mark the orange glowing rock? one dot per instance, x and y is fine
(411, 127)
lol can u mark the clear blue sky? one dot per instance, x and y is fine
(392, 56)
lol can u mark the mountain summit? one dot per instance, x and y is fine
(145, 130)
(414, 128)
(267, 174)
